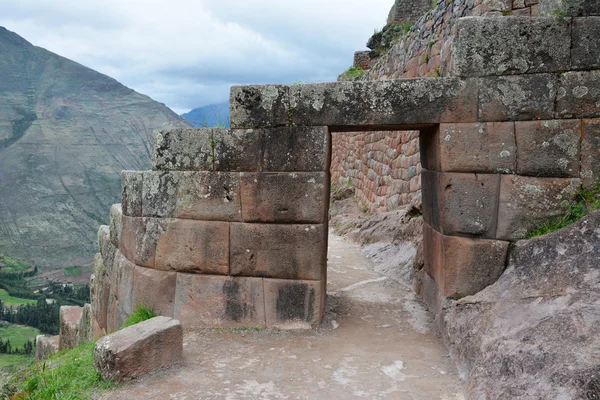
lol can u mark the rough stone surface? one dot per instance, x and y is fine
(259, 106)
(297, 197)
(45, 346)
(473, 147)
(569, 8)
(512, 45)
(296, 149)
(105, 246)
(154, 289)
(293, 304)
(394, 102)
(534, 333)
(548, 148)
(462, 266)
(194, 246)
(278, 251)
(219, 302)
(468, 203)
(431, 204)
(131, 193)
(183, 149)
(123, 285)
(139, 349)
(578, 95)
(590, 152)
(140, 237)
(70, 336)
(516, 98)
(99, 291)
(585, 52)
(526, 203)
(213, 196)
(116, 224)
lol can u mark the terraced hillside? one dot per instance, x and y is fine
(66, 132)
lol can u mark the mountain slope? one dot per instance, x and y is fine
(66, 132)
(211, 116)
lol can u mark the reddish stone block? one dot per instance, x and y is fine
(432, 253)
(476, 147)
(99, 292)
(194, 246)
(526, 203)
(548, 148)
(131, 193)
(204, 301)
(116, 224)
(279, 251)
(590, 152)
(468, 203)
(154, 289)
(206, 195)
(124, 283)
(430, 185)
(291, 304)
(578, 95)
(301, 197)
(139, 238)
(106, 247)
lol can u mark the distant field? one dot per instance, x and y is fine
(76, 270)
(14, 301)
(9, 264)
(18, 334)
(13, 359)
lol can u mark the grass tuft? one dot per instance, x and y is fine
(586, 201)
(140, 314)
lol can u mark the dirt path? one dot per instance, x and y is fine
(376, 342)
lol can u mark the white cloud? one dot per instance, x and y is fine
(186, 53)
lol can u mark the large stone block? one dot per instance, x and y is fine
(139, 349)
(475, 147)
(362, 103)
(578, 95)
(468, 203)
(105, 246)
(154, 289)
(131, 193)
(70, 336)
(465, 265)
(297, 197)
(569, 8)
(430, 181)
(116, 224)
(296, 149)
(45, 346)
(293, 304)
(259, 106)
(203, 301)
(590, 152)
(516, 98)
(123, 286)
(139, 238)
(99, 292)
(511, 45)
(183, 149)
(585, 51)
(526, 203)
(195, 195)
(548, 148)
(194, 246)
(238, 149)
(278, 251)
(433, 253)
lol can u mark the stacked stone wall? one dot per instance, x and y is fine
(384, 167)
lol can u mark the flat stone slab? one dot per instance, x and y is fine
(365, 103)
(511, 45)
(139, 349)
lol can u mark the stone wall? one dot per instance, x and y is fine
(384, 167)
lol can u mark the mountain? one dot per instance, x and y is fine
(211, 116)
(66, 132)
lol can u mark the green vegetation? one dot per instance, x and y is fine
(18, 335)
(586, 201)
(7, 360)
(12, 301)
(354, 73)
(10, 265)
(383, 40)
(19, 126)
(74, 271)
(140, 314)
(68, 375)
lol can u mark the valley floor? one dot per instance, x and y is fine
(377, 341)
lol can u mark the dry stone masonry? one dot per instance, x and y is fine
(229, 229)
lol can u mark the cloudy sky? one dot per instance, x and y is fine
(187, 53)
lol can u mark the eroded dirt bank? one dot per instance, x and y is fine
(377, 341)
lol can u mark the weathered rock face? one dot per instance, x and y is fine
(76, 326)
(534, 333)
(139, 349)
(45, 346)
